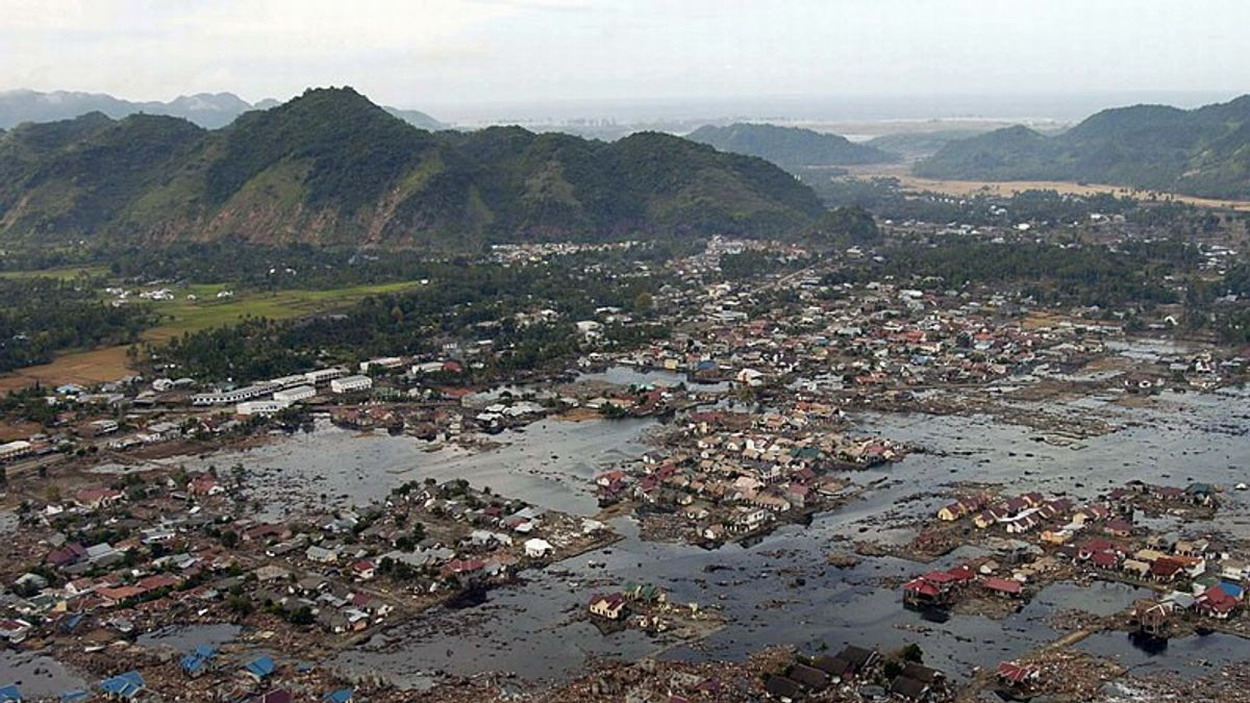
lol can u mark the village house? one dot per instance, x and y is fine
(611, 606)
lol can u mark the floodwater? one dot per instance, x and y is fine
(1196, 655)
(37, 676)
(184, 638)
(550, 464)
(779, 591)
(630, 376)
(8, 522)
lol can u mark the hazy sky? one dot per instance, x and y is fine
(430, 53)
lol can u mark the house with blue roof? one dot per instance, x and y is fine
(343, 695)
(195, 662)
(10, 694)
(123, 687)
(260, 668)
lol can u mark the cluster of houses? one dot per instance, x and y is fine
(864, 338)
(859, 672)
(192, 548)
(617, 605)
(1101, 539)
(732, 473)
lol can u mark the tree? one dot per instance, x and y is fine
(853, 222)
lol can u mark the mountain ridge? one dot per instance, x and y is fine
(1202, 152)
(208, 110)
(331, 167)
(789, 147)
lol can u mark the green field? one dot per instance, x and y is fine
(183, 315)
(66, 272)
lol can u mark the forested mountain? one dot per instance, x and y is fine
(1203, 152)
(789, 147)
(330, 167)
(208, 110)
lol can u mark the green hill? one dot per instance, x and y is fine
(789, 147)
(330, 167)
(1204, 152)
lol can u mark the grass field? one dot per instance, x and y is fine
(86, 368)
(63, 272)
(183, 315)
(209, 311)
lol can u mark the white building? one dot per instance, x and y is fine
(351, 383)
(322, 375)
(294, 395)
(259, 407)
(282, 382)
(13, 450)
(237, 395)
(538, 548)
(386, 362)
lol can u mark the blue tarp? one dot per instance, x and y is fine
(10, 694)
(343, 695)
(1232, 589)
(75, 696)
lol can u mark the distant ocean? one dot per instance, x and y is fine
(1062, 108)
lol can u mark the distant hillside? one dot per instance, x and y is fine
(1204, 152)
(208, 110)
(789, 147)
(920, 144)
(330, 167)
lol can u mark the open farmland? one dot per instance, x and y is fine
(969, 188)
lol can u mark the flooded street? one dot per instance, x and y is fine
(38, 676)
(550, 464)
(779, 591)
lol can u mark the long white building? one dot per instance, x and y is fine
(294, 395)
(351, 383)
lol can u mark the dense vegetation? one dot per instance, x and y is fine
(1132, 275)
(1202, 152)
(887, 200)
(789, 147)
(468, 304)
(332, 168)
(42, 316)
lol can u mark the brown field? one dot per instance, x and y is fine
(96, 366)
(965, 188)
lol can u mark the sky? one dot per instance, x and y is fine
(450, 54)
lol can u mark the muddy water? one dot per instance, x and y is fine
(1197, 655)
(550, 464)
(628, 376)
(37, 676)
(185, 638)
(781, 592)
(778, 591)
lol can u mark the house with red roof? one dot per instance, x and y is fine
(1003, 587)
(1216, 603)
